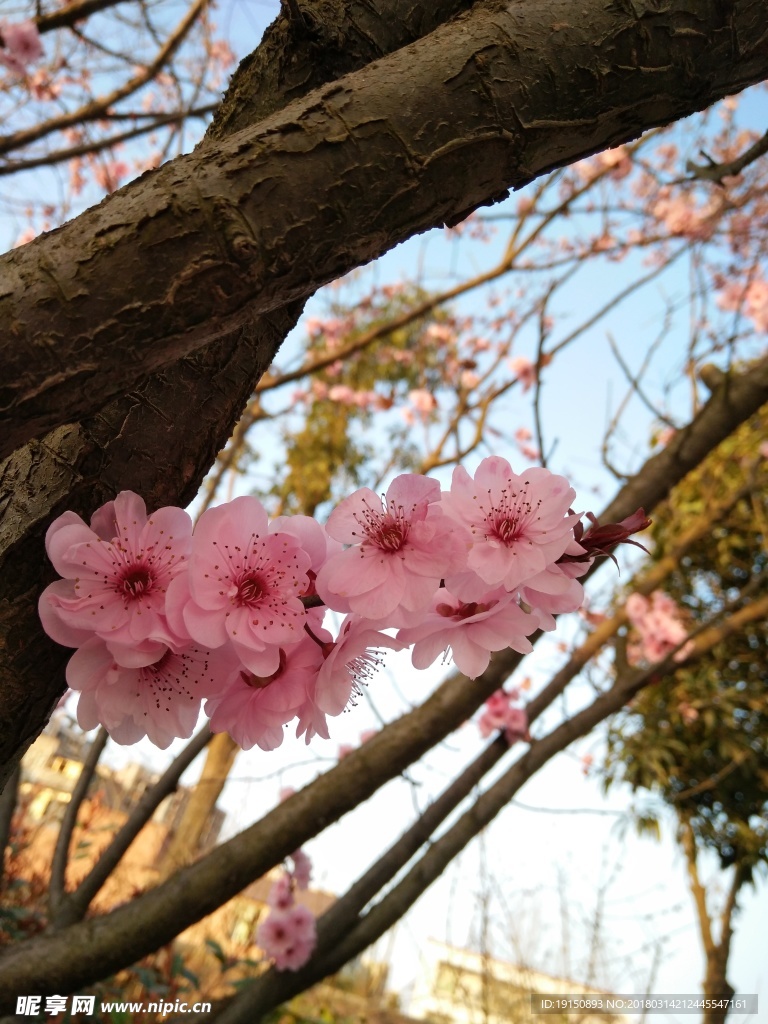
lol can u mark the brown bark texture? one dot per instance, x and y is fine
(248, 223)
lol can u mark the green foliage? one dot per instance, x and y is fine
(699, 738)
(328, 453)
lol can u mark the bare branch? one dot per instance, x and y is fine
(712, 171)
(72, 906)
(8, 799)
(57, 886)
(95, 108)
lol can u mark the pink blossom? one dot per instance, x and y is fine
(552, 592)
(109, 175)
(243, 586)
(441, 333)
(116, 573)
(22, 45)
(26, 236)
(681, 215)
(470, 631)
(519, 524)
(349, 664)
(160, 700)
(498, 713)
(288, 937)
(313, 539)
(751, 298)
(524, 370)
(688, 712)
(302, 869)
(617, 160)
(281, 894)
(403, 547)
(658, 622)
(423, 401)
(253, 709)
(312, 721)
(341, 393)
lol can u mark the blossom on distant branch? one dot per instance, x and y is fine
(499, 713)
(659, 625)
(524, 370)
(288, 937)
(20, 45)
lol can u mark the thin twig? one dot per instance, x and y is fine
(61, 853)
(712, 171)
(7, 807)
(72, 906)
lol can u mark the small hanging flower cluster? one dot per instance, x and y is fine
(500, 714)
(289, 935)
(164, 617)
(659, 625)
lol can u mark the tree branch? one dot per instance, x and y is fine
(71, 907)
(229, 254)
(57, 887)
(97, 145)
(95, 108)
(8, 799)
(712, 171)
(76, 10)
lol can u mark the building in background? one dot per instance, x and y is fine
(457, 986)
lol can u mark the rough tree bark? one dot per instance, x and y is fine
(503, 93)
(415, 140)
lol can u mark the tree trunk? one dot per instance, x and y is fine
(185, 841)
(716, 985)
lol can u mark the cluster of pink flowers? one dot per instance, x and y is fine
(500, 713)
(164, 617)
(752, 299)
(659, 626)
(289, 934)
(19, 45)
